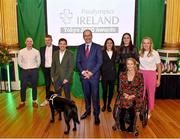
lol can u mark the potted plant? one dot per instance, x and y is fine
(5, 57)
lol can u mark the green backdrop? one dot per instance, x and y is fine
(150, 21)
(31, 23)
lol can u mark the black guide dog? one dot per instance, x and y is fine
(60, 104)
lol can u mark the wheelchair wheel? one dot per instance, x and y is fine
(144, 114)
(114, 127)
(136, 133)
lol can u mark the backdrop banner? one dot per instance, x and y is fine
(31, 23)
(150, 21)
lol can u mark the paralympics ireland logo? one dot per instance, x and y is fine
(66, 16)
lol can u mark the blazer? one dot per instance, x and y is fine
(92, 63)
(42, 54)
(108, 68)
(62, 71)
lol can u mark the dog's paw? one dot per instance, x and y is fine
(74, 129)
(66, 132)
(52, 121)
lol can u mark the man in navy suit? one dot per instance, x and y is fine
(46, 53)
(89, 61)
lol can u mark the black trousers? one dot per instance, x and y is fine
(48, 81)
(29, 76)
(108, 90)
(131, 113)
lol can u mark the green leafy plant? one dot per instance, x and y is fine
(5, 57)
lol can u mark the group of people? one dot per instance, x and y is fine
(57, 65)
(136, 73)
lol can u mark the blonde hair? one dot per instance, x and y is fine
(141, 52)
(134, 62)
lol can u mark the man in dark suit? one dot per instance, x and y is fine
(46, 53)
(89, 60)
(62, 68)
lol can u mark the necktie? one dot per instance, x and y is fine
(87, 51)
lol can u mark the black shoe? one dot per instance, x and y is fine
(109, 109)
(97, 120)
(122, 125)
(103, 108)
(123, 129)
(129, 129)
(85, 115)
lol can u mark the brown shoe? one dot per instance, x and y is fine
(35, 105)
(21, 105)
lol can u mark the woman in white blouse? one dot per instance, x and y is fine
(150, 63)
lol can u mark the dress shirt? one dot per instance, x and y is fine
(89, 46)
(48, 56)
(29, 58)
(109, 53)
(61, 55)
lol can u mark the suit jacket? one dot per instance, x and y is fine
(93, 62)
(62, 71)
(42, 54)
(108, 68)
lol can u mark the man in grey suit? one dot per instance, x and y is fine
(62, 68)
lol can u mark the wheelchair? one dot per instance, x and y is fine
(144, 112)
(143, 117)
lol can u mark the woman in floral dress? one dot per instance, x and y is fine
(130, 95)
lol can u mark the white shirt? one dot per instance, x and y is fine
(48, 56)
(29, 58)
(89, 46)
(149, 63)
(109, 53)
(61, 55)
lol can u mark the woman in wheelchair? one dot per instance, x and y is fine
(130, 97)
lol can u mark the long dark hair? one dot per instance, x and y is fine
(122, 42)
(105, 44)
